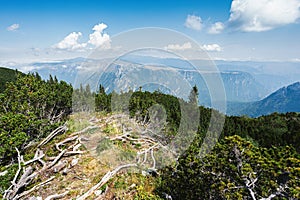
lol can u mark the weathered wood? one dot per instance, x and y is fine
(59, 166)
(104, 180)
(60, 129)
(37, 157)
(56, 159)
(3, 173)
(57, 196)
(11, 190)
(25, 179)
(57, 145)
(19, 196)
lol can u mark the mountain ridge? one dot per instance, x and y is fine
(284, 100)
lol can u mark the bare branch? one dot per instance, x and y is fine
(53, 134)
(34, 188)
(9, 191)
(154, 161)
(56, 159)
(84, 130)
(57, 196)
(3, 173)
(37, 157)
(104, 180)
(65, 141)
(19, 167)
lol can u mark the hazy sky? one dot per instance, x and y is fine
(235, 30)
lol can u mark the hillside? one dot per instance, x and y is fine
(108, 156)
(283, 100)
(6, 75)
(78, 160)
(156, 148)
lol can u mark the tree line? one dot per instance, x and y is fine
(30, 109)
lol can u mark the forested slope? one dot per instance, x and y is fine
(255, 158)
(7, 75)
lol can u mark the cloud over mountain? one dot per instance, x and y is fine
(70, 42)
(99, 38)
(96, 39)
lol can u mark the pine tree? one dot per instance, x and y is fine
(193, 97)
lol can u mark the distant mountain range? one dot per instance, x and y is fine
(239, 86)
(244, 82)
(286, 99)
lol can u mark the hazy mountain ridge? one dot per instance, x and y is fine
(273, 75)
(283, 100)
(244, 81)
(238, 85)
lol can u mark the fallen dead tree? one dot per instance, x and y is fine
(61, 129)
(148, 145)
(31, 171)
(104, 180)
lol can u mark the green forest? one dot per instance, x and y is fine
(254, 158)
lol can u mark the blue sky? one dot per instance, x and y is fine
(231, 30)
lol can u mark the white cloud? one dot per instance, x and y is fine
(216, 28)
(13, 27)
(179, 47)
(211, 47)
(99, 38)
(70, 42)
(193, 22)
(263, 15)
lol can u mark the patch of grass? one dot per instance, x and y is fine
(138, 145)
(78, 121)
(51, 152)
(127, 155)
(109, 129)
(28, 156)
(134, 186)
(103, 145)
(104, 186)
(92, 131)
(120, 184)
(142, 194)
